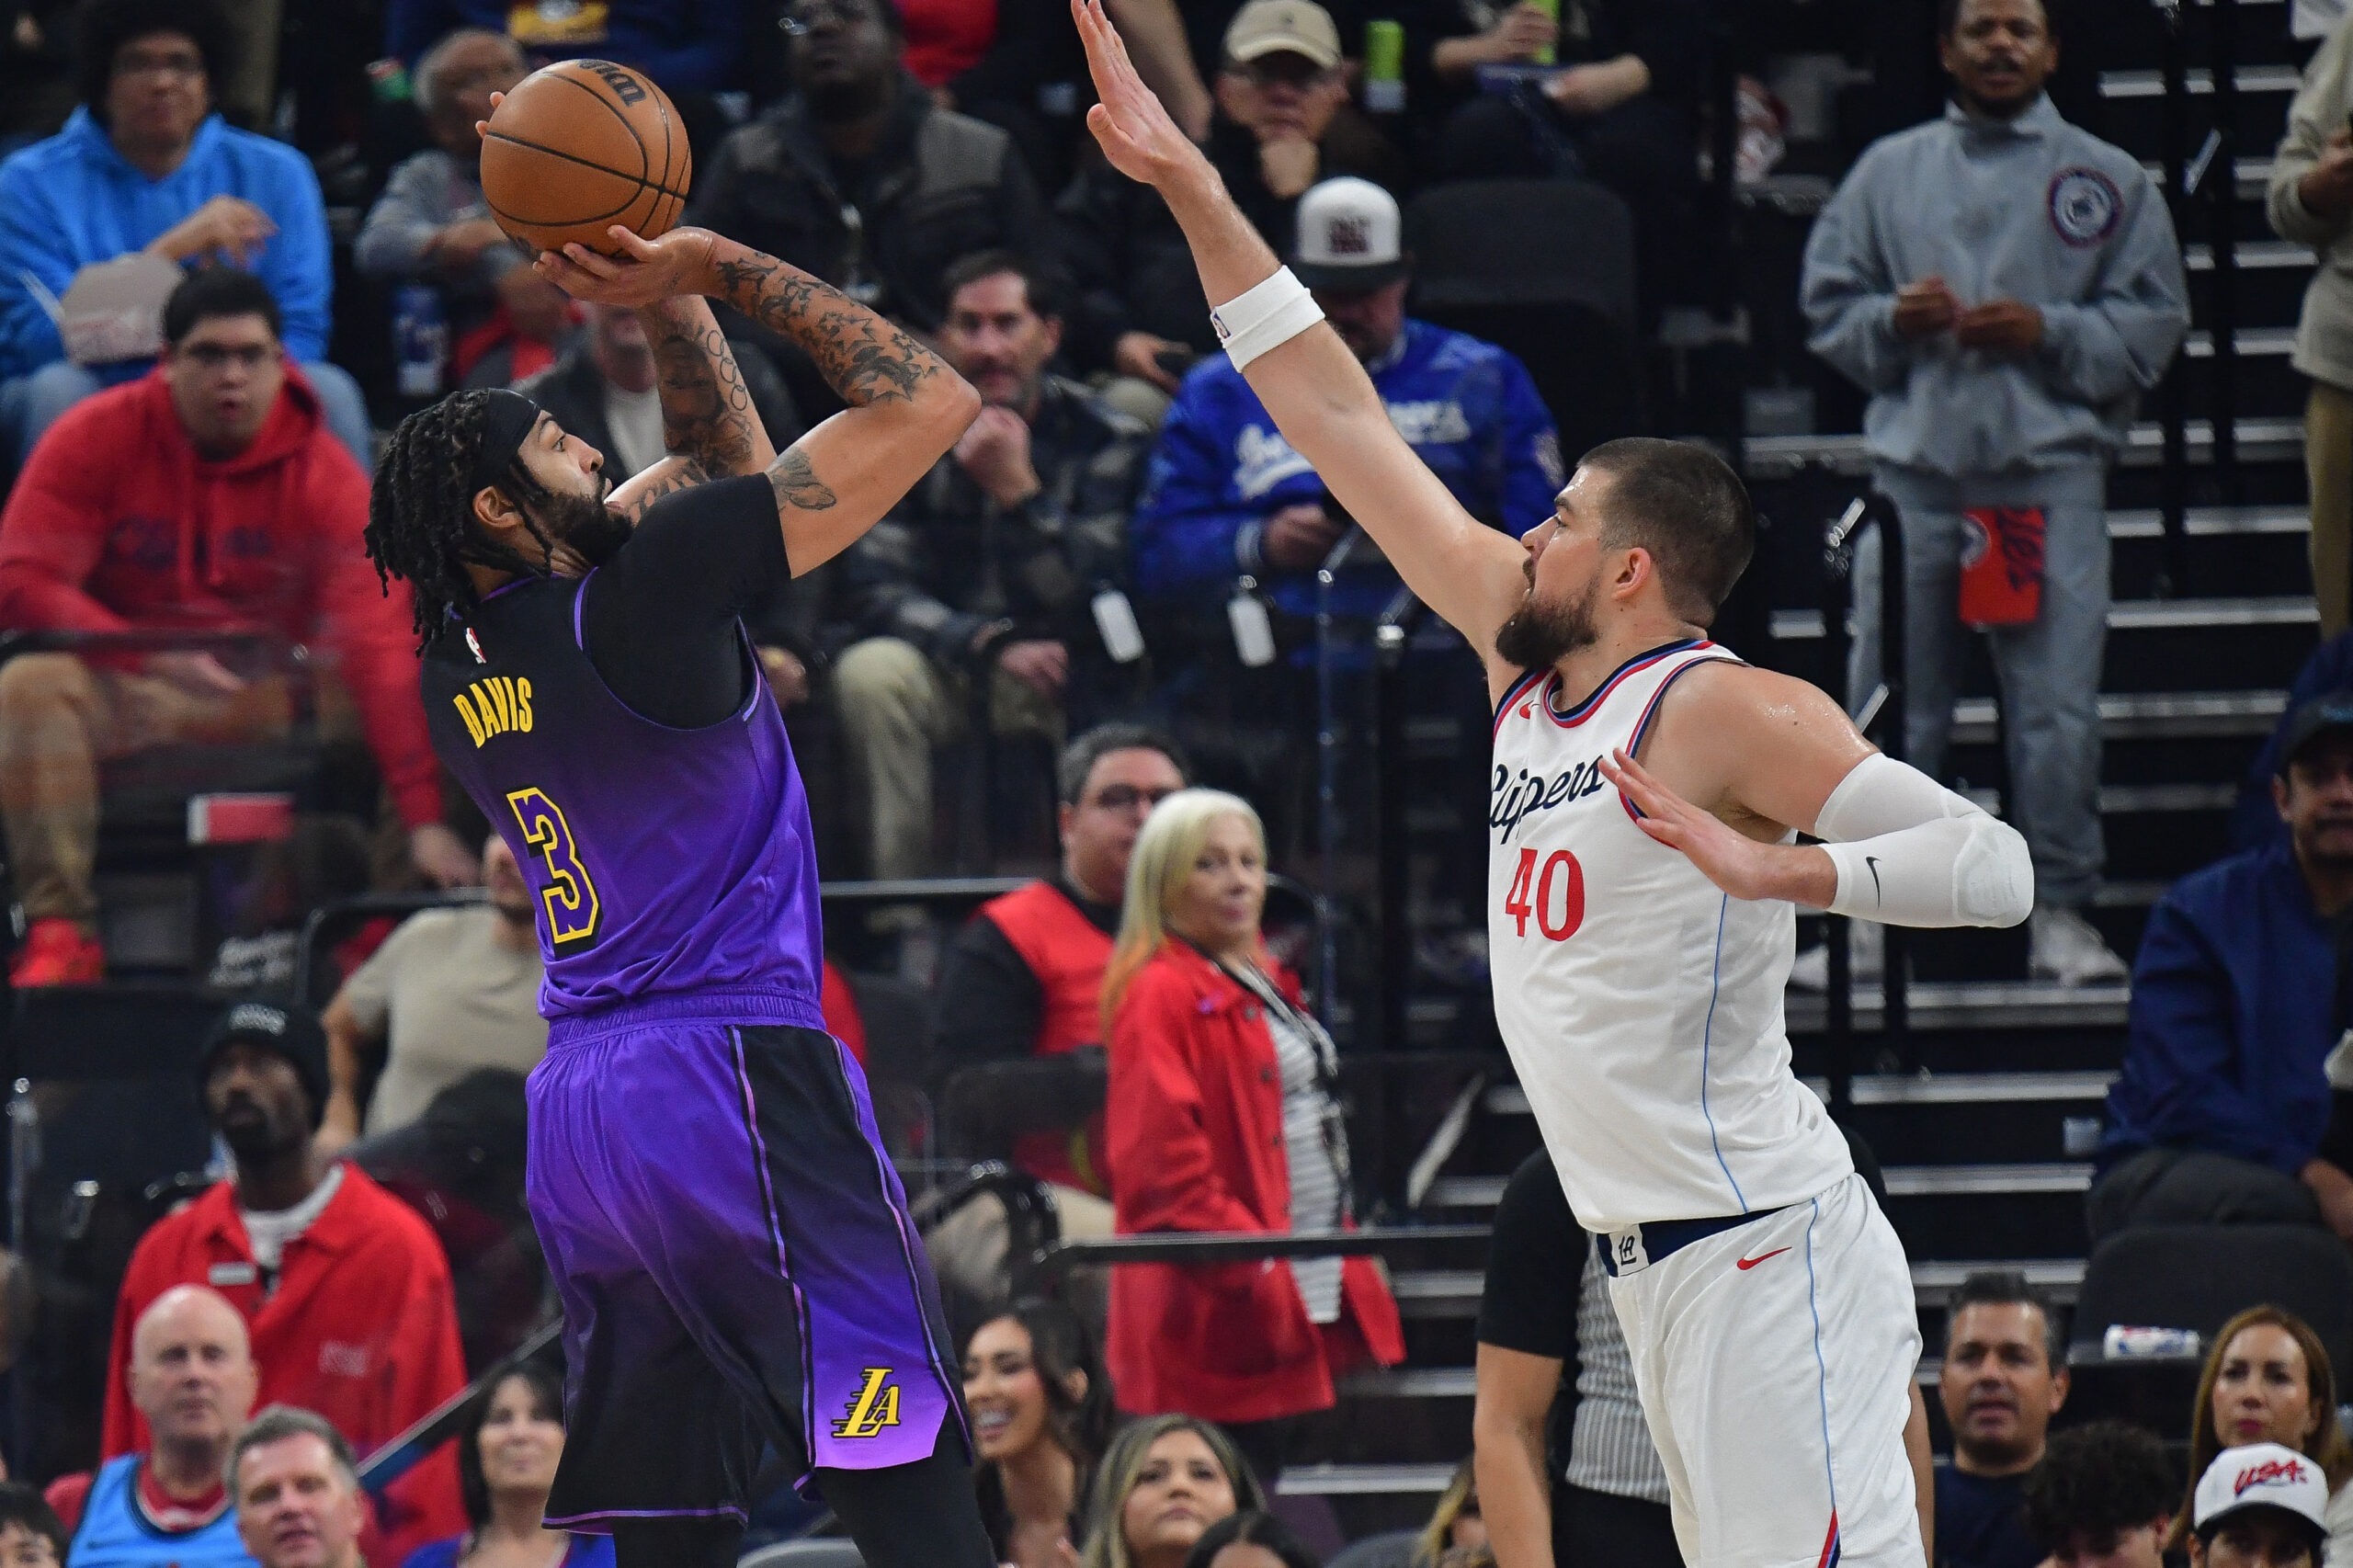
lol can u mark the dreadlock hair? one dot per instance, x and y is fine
(421, 512)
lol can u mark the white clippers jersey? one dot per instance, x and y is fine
(1642, 1005)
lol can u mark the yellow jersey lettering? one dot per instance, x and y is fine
(474, 725)
(876, 1406)
(498, 704)
(523, 704)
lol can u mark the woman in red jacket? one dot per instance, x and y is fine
(1222, 1115)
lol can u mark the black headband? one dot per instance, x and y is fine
(508, 421)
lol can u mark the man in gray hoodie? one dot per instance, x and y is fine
(2004, 286)
(2311, 201)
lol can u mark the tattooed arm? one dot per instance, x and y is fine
(907, 407)
(708, 426)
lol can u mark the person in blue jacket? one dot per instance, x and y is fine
(1226, 497)
(689, 48)
(2220, 1111)
(146, 164)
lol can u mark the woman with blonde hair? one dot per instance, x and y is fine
(1223, 1114)
(2269, 1381)
(1457, 1533)
(1165, 1481)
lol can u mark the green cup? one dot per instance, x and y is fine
(1384, 66)
(1551, 8)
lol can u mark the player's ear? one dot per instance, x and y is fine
(494, 510)
(1640, 567)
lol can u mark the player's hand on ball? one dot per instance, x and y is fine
(646, 272)
(1734, 861)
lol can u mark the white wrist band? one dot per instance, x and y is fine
(1265, 317)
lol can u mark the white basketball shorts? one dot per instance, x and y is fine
(1775, 1362)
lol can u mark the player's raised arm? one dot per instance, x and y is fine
(1320, 397)
(708, 426)
(907, 407)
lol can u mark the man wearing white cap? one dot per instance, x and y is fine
(2259, 1507)
(1228, 496)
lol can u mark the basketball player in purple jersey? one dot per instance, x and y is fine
(733, 1249)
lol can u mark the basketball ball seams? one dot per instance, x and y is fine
(645, 162)
(575, 158)
(586, 186)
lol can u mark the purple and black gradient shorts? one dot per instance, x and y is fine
(734, 1257)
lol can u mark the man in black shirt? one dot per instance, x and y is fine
(1025, 976)
(1024, 983)
(1544, 1304)
(984, 582)
(2004, 1379)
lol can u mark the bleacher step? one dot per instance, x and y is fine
(2126, 615)
(1454, 1292)
(2262, 255)
(2145, 715)
(1362, 1479)
(2152, 83)
(2210, 522)
(1992, 1180)
(1896, 1088)
(2259, 440)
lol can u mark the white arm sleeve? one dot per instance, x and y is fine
(1911, 852)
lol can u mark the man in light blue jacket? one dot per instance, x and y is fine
(146, 164)
(2004, 286)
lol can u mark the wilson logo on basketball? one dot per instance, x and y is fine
(876, 1406)
(624, 86)
(2270, 1472)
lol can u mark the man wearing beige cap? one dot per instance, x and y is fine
(1283, 122)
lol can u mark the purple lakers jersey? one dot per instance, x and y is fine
(664, 861)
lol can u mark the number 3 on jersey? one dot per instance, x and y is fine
(1559, 886)
(574, 911)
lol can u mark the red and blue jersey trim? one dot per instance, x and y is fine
(1642, 725)
(1593, 701)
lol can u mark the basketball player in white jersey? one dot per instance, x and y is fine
(1647, 791)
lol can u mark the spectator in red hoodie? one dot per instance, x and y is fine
(210, 494)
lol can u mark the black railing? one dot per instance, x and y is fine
(1391, 634)
(1388, 1243)
(403, 1453)
(1881, 715)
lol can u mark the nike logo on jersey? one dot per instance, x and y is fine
(1877, 896)
(1515, 798)
(1746, 1263)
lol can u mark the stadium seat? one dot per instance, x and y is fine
(820, 1552)
(1559, 293)
(2199, 1276)
(896, 1013)
(1390, 1549)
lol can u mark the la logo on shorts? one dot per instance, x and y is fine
(2084, 206)
(876, 1406)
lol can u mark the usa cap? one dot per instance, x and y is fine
(2261, 1475)
(1348, 237)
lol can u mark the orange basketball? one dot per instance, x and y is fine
(579, 146)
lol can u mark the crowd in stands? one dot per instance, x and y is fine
(1119, 570)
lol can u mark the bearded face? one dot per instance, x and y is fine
(1539, 635)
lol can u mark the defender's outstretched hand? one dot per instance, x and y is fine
(647, 273)
(1733, 861)
(1139, 137)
